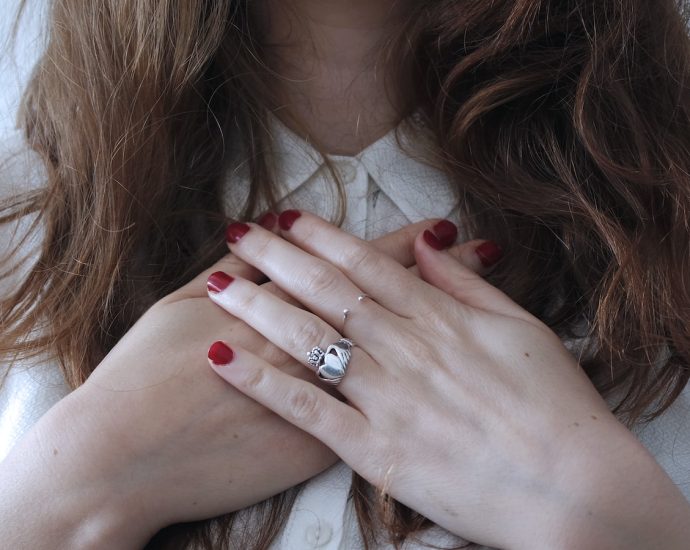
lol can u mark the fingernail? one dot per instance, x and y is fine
(489, 253)
(220, 354)
(432, 240)
(287, 218)
(236, 231)
(447, 232)
(268, 220)
(218, 281)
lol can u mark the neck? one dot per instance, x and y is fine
(331, 86)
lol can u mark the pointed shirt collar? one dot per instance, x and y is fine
(399, 163)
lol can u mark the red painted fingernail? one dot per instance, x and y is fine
(220, 354)
(218, 281)
(287, 218)
(236, 231)
(446, 231)
(432, 240)
(489, 253)
(268, 220)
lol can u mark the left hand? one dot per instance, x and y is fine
(460, 404)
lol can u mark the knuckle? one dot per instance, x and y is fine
(304, 337)
(416, 347)
(412, 344)
(320, 278)
(439, 319)
(309, 231)
(272, 288)
(254, 379)
(358, 258)
(261, 249)
(303, 404)
(273, 355)
(246, 300)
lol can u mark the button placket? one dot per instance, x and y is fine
(318, 534)
(356, 179)
(316, 521)
(347, 170)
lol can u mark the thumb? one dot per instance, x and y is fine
(399, 244)
(440, 269)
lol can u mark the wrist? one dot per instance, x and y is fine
(607, 491)
(58, 492)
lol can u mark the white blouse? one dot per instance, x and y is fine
(388, 185)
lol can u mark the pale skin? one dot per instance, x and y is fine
(154, 437)
(330, 78)
(460, 404)
(340, 98)
(43, 463)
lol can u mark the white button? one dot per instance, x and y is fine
(347, 170)
(318, 534)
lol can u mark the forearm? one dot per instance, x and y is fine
(617, 498)
(55, 496)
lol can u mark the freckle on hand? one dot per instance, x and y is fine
(55, 452)
(526, 354)
(594, 417)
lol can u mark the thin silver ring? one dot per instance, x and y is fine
(347, 311)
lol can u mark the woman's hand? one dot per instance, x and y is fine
(154, 437)
(460, 404)
(157, 438)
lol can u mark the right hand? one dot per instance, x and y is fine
(155, 437)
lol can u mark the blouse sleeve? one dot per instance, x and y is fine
(667, 437)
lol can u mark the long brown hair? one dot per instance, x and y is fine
(564, 124)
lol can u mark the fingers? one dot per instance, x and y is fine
(466, 254)
(445, 272)
(399, 244)
(290, 328)
(276, 291)
(377, 274)
(314, 282)
(338, 425)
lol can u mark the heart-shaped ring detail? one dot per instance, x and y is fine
(335, 361)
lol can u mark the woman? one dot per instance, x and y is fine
(560, 128)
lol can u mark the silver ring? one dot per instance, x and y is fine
(332, 364)
(346, 312)
(314, 358)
